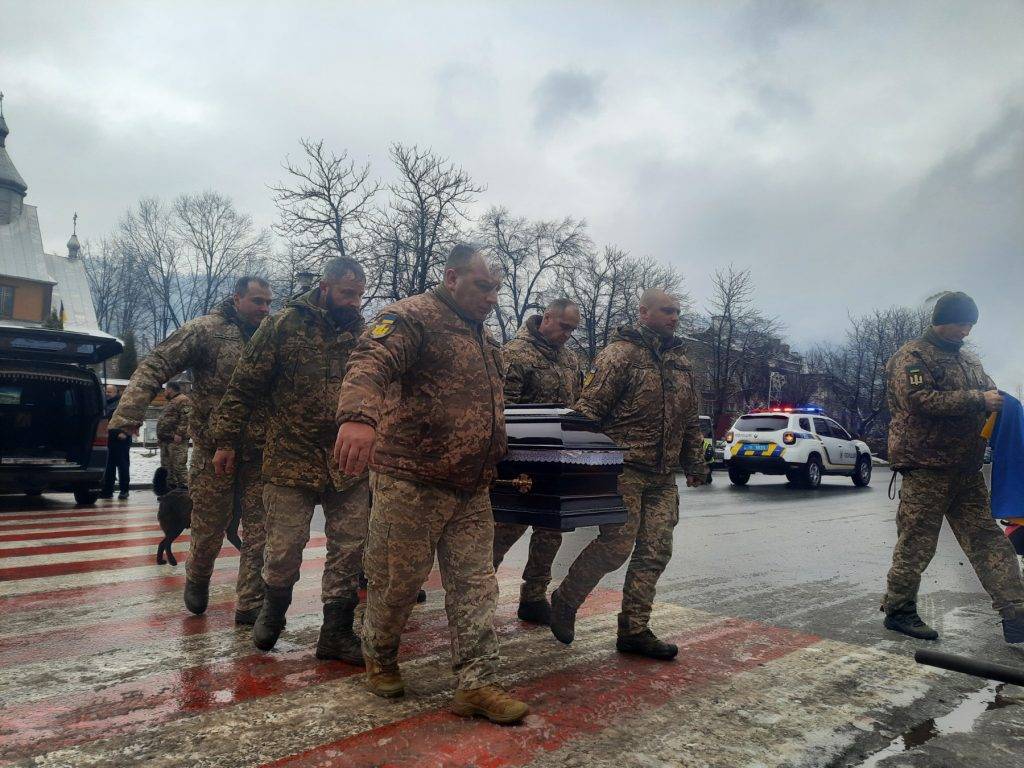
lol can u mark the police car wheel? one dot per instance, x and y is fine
(810, 475)
(862, 474)
(738, 476)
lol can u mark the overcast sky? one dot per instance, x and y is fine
(853, 155)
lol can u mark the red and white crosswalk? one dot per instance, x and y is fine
(101, 666)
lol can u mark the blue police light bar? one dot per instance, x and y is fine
(790, 409)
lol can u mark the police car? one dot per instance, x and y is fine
(799, 442)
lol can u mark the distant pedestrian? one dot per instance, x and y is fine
(172, 435)
(119, 445)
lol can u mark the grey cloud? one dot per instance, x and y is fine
(764, 22)
(565, 95)
(773, 103)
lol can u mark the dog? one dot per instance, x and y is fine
(175, 515)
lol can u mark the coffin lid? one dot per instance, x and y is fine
(555, 427)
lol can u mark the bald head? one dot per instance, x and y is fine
(559, 321)
(659, 311)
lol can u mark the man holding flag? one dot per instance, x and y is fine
(940, 397)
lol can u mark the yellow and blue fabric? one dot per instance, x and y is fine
(1008, 461)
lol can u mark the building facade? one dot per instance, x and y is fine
(36, 288)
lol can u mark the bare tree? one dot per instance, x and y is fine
(531, 255)
(853, 372)
(103, 270)
(606, 284)
(220, 245)
(739, 339)
(146, 238)
(326, 204)
(424, 219)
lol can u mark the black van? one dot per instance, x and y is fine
(53, 435)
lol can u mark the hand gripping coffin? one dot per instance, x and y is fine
(560, 472)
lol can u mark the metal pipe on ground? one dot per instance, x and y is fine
(984, 669)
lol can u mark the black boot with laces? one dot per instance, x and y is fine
(906, 620)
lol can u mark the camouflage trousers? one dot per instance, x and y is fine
(214, 501)
(409, 523)
(174, 458)
(544, 544)
(652, 509)
(289, 512)
(926, 497)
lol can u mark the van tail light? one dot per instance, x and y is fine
(789, 438)
(100, 438)
(729, 436)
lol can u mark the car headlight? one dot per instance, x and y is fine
(729, 436)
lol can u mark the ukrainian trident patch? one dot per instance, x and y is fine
(915, 376)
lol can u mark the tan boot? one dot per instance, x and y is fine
(384, 682)
(491, 702)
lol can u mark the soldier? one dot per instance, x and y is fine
(539, 369)
(641, 392)
(210, 347)
(939, 396)
(172, 434)
(422, 403)
(295, 363)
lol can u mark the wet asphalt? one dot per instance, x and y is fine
(815, 561)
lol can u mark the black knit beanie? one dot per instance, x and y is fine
(954, 308)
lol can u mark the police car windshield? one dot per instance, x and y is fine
(762, 423)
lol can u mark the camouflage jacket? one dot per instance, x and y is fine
(294, 364)
(430, 380)
(642, 393)
(174, 420)
(209, 346)
(537, 372)
(937, 404)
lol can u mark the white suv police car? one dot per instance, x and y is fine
(800, 443)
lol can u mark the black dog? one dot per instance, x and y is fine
(175, 515)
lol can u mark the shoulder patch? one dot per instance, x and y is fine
(915, 376)
(588, 378)
(384, 325)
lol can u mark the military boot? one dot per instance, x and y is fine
(646, 644)
(490, 702)
(562, 619)
(246, 617)
(271, 619)
(534, 611)
(385, 682)
(906, 620)
(197, 595)
(1013, 629)
(337, 640)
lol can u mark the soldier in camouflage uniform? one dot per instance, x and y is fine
(422, 403)
(539, 369)
(210, 346)
(939, 396)
(641, 391)
(295, 363)
(172, 435)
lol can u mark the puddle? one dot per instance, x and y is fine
(960, 720)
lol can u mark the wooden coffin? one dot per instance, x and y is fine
(560, 472)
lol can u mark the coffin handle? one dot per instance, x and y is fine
(523, 483)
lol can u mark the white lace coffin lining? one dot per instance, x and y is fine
(589, 458)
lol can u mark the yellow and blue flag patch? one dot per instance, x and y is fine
(384, 326)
